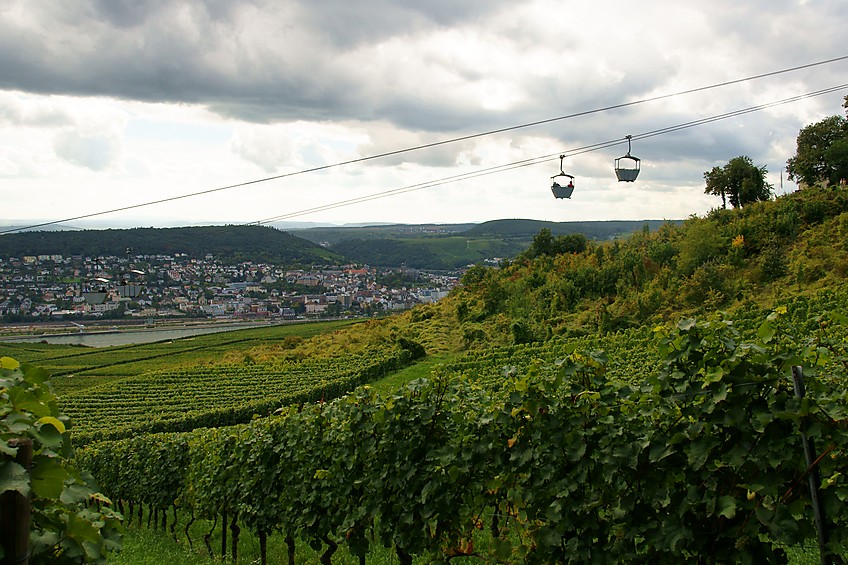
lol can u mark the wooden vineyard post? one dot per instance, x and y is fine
(234, 536)
(263, 547)
(224, 536)
(812, 472)
(15, 512)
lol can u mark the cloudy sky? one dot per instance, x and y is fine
(108, 104)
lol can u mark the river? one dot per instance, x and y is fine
(108, 338)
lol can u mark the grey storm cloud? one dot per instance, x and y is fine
(269, 61)
(256, 60)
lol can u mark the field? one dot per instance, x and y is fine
(130, 360)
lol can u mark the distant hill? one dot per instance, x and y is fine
(446, 246)
(598, 230)
(414, 253)
(335, 234)
(254, 243)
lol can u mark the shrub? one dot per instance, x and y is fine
(773, 263)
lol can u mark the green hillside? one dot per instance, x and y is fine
(729, 260)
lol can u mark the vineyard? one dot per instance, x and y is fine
(555, 451)
(217, 395)
(628, 356)
(700, 459)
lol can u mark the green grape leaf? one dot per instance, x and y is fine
(48, 477)
(726, 506)
(14, 477)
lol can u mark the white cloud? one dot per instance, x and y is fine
(294, 146)
(20, 110)
(267, 150)
(95, 152)
(128, 102)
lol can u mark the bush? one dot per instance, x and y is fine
(710, 280)
(701, 243)
(773, 264)
(813, 212)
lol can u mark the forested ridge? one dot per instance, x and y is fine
(246, 243)
(598, 230)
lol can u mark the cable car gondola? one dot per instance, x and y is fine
(627, 166)
(562, 190)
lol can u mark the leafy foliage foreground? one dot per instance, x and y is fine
(70, 521)
(699, 462)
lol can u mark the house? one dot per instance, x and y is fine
(308, 280)
(315, 308)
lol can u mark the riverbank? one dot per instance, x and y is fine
(109, 333)
(35, 329)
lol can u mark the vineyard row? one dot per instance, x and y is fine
(701, 460)
(217, 396)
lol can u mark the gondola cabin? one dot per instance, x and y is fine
(627, 167)
(562, 184)
(563, 190)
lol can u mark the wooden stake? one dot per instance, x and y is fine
(812, 472)
(15, 511)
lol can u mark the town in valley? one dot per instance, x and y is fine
(51, 288)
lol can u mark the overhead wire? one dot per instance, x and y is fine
(431, 145)
(544, 158)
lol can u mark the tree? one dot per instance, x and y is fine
(822, 152)
(739, 181)
(544, 243)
